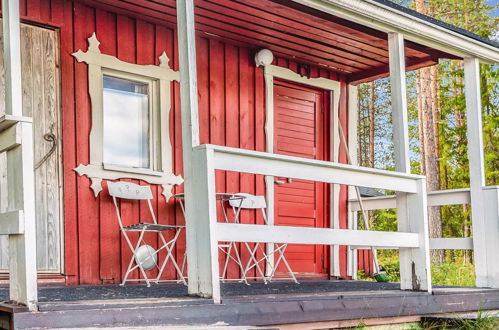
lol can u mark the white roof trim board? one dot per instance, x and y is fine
(379, 15)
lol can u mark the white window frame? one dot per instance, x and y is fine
(159, 78)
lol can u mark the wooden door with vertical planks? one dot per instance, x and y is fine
(299, 131)
(41, 101)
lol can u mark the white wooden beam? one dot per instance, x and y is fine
(491, 199)
(12, 223)
(381, 17)
(21, 196)
(204, 218)
(308, 235)
(482, 254)
(256, 162)
(435, 198)
(412, 214)
(10, 138)
(353, 111)
(458, 243)
(20, 172)
(12, 57)
(200, 281)
(399, 102)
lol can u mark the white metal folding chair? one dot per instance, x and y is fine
(227, 247)
(144, 256)
(272, 249)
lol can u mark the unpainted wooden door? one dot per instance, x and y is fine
(299, 131)
(41, 95)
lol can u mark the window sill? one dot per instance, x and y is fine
(136, 170)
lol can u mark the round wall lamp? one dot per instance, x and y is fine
(264, 57)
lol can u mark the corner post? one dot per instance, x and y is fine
(353, 109)
(199, 183)
(412, 211)
(20, 172)
(485, 256)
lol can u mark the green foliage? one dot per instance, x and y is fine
(450, 273)
(475, 16)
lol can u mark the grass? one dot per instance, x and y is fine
(484, 321)
(447, 273)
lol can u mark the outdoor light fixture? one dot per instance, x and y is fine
(264, 57)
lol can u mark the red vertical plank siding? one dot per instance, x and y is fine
(232, 93)
(110, 248)
(145, 42)
(88, 210)
(231, 111)
(64, 17)
(178, 169)
(126, 45)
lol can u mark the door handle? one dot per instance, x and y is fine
(288, 180)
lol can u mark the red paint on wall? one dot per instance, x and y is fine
(232, 112)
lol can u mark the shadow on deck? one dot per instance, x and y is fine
(257, 304)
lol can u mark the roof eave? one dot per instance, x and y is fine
(387, 19)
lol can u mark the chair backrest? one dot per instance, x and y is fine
(248, 202)
(128, 190)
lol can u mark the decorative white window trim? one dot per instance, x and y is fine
(99, 63)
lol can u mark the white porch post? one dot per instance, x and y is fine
(353, 109)
(199, 182)
(16, 138)
(411, 208)
(485, 217)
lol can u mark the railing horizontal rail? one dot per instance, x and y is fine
(458, 243)
(435, 198)
(306, 235)
(247, 161)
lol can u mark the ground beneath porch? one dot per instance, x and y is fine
(250, 305)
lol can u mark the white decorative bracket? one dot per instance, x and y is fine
(164, 75)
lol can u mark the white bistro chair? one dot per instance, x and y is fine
(144, 256)
(252, 202)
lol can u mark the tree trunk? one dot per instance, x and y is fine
(428, 122)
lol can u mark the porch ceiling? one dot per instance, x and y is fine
(291, 30)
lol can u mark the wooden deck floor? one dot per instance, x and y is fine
(257, 304)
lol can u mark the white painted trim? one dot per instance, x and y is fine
(271, 72)
(484, 209)
(459, 243)
(12, 223)
(353, 111)
(12, 57)
(383, 18)
(491, 199)
(334, 198)
(435, 198)
(10, 138)
(20, 172)
(100, 64)
(21, 196)
(309, 235)
(287, 74)
(257, 162)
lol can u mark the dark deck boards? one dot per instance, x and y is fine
(257, 304)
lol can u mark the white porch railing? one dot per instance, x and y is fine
(435, 198)
(440, 198)
(204, 232)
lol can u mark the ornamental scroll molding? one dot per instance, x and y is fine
(164, 75)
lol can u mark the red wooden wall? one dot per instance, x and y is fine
(231, 105)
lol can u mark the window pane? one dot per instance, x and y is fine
(126, 123)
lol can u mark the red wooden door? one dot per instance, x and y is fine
(299, 131)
